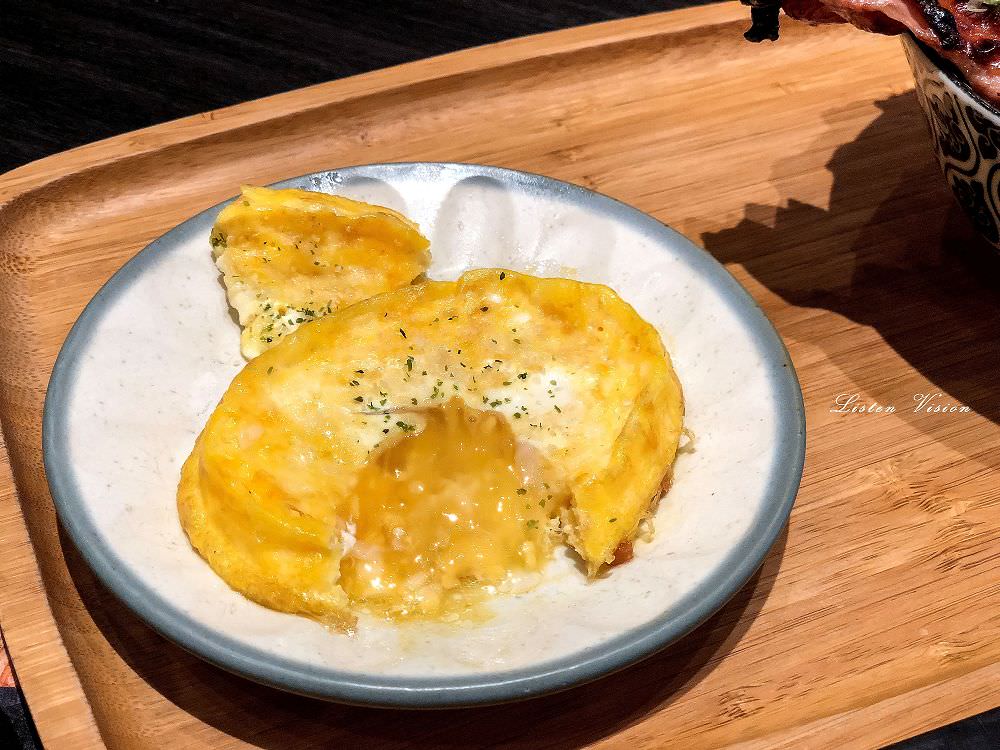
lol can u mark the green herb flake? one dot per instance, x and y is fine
(405, 427)
(409, 364)
(402, 333)
(359, 399)
(532, 523)
(521, 491)
(523, 376)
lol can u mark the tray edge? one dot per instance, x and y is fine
(54, 661)
(26, 178)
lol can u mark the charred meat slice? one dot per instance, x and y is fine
(942, 23)
(965, 33)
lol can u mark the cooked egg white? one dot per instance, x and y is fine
(291, 256)
(414, 452)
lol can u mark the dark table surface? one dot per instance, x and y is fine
(74, 72)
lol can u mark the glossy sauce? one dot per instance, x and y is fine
(446, 515)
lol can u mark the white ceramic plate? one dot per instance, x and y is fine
(154, 350)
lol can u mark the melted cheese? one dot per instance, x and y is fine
(446, 514)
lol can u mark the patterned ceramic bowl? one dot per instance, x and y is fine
(965, 129)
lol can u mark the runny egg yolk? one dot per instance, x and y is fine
(445, 515)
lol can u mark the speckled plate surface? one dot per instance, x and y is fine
(154, 350)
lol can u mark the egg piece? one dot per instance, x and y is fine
(425, 448)
(290, 256)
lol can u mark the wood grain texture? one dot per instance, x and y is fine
(30, 630)
(805, 168)
(6, 672)
(174, 58)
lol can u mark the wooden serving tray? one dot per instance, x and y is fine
(805, 167)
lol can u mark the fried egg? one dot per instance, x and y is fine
(291, 256)
(420, 450)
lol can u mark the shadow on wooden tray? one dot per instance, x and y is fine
(270, 718)
(892, 251)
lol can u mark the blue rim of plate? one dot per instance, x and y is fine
(439, 692)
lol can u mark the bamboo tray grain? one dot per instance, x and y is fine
(805, 167)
